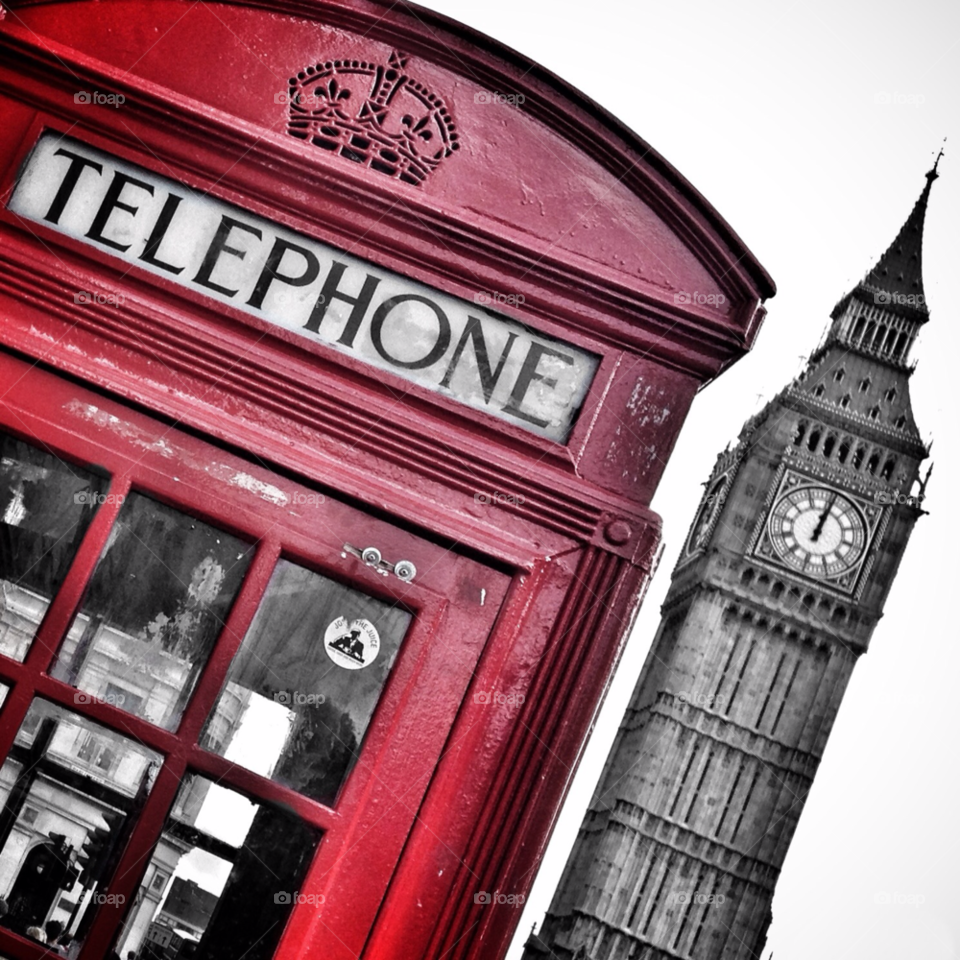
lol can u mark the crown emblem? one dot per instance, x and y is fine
(372, 114)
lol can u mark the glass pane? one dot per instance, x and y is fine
(303, 686)
(71, 790)
(153, 610)
(46, 506)
(221, 881)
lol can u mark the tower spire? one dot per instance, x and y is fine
(882, 315)
(899, 272)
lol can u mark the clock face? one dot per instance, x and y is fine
(817, 531)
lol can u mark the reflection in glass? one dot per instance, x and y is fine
(153, 610)
(303, 686)
(222, 879)
(71, 790)
(46, 506)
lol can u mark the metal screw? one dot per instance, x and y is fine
(371, 555)
(405, 570)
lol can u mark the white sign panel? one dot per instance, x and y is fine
(440, 342)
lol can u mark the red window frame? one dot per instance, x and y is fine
(451, 596)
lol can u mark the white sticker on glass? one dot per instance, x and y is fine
(352, 645)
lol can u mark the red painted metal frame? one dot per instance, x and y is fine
(578, 542)
(352, 868)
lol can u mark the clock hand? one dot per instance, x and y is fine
(818, 529)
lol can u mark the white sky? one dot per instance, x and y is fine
(776, 113)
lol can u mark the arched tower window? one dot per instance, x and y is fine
(858, 330)
(844, 451)
(858, 457)
(839, 375)
(845, 401)
(887, 472)
(868, 336)
(819, 390)
(900, 421)
(874, 413)
(901, 346)
(878, 337)
(829, 444)
(799, 434)
(873, 463)
(891, 394)
(864, 384)
(891, 339)
(814, 440)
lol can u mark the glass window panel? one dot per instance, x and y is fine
(152, 612)
(70, 790)
(303, 686)
(222, 879)
(46, 506)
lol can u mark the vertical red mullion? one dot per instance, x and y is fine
(57, 620)
(66, 603)
(212, 678)
(146, 832)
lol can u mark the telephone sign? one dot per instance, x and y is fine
(418, 333)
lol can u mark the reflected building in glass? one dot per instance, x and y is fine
(295, 704)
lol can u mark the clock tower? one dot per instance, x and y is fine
(780, 584)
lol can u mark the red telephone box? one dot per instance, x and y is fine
(341, 352)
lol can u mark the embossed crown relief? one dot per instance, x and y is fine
(372, 114)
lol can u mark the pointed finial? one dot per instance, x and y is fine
(932, 173)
